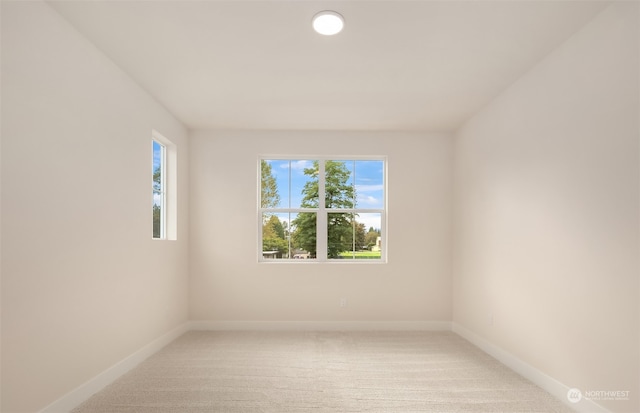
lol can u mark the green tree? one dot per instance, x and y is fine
(157, 187)
(274, 237)
(156, 221)
(338, 194)
(273, 227)
(371, 237)
(360, 236)
(304, 232)
(276, 244)
(269, 196)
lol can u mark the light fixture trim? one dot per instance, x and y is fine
(328, 22)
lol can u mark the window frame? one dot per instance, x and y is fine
(161, 192)
(322, 212)
(168, 190)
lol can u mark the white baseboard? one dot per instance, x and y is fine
(74, 398)
(321, 325)
(551, 385)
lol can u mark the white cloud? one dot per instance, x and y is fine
(369, 188)
(301, 164)
(368, 200)
(370, 220)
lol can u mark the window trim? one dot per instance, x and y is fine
(322, 212)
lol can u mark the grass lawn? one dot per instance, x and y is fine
(361, 255)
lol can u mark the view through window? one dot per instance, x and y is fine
(159, 190)
(349, 224)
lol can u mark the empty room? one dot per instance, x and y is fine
(327, 206)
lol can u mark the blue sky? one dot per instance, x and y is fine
(157, 155)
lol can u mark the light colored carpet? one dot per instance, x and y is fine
(283, 372)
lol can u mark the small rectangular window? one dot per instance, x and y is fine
(348, 225)
(159, 190)
(164, 193)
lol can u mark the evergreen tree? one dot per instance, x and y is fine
(269, 196)
(273, 236)
(338, 194)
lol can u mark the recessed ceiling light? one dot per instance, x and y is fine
(328, 22)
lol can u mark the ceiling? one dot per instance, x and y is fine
(397, 65)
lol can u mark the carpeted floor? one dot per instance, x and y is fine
(283, 372)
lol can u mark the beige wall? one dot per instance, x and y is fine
(546, 213)
(227, 282)
(83, 284)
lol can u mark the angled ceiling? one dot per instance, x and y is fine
(398, 65)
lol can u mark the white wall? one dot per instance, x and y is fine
(227, 282)
(83, 284)
(546, 213)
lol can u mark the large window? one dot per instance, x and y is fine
(328, 209)
(164, 187)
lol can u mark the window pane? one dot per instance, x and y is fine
(288, 235)
(275, 235)
(274, 185)
(158, 172)
(289, 183)
(369, 184)
(354, 236)
(369, 236)
(339, 190)
(157, 215)
(339, 234)
(304, 184)
(303, 234)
